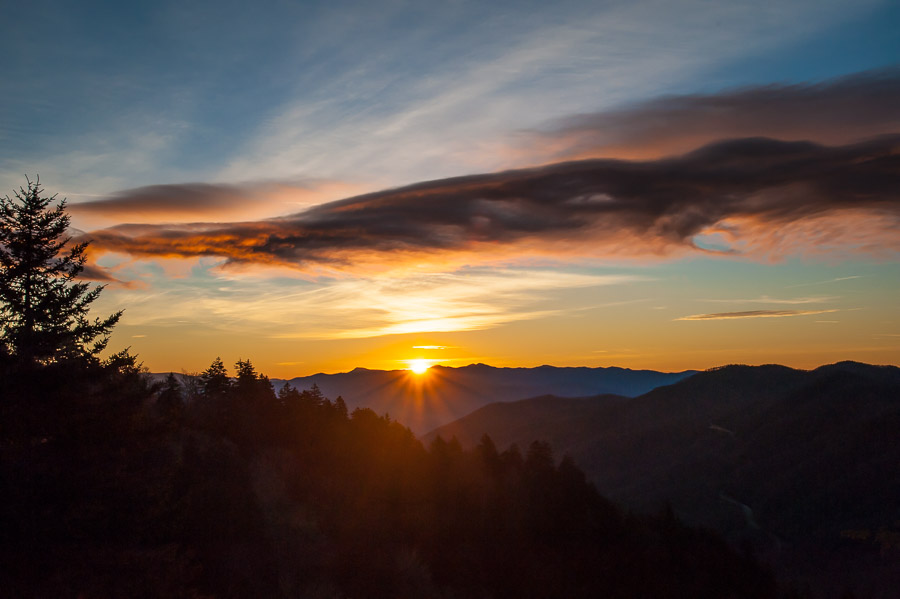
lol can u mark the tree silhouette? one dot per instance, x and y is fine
(252, 387)
(214, 380)
(43, 309)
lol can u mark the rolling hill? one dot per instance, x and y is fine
(803, 466)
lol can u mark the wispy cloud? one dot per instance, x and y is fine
(773, 300)
(767, 197)
(835, 280)
(388, 120)
(369, 307)
(754, 314)
(126, 150)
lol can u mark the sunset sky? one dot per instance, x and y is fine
(318, 186)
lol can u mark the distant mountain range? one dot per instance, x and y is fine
(803, 466)
(443, 393)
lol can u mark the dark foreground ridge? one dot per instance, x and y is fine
(801, 466)
(111, 487)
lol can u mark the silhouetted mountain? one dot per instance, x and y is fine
(443, 394)
(802, 465)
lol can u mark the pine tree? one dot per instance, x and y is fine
(214, 381)
(288, 394)
(43, 308)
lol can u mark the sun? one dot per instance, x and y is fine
(418, 366)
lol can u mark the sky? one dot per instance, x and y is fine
(319, 186)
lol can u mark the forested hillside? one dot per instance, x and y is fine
(802, 465)
(112, 487)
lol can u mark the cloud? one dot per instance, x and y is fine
(415, 111)
(837, 111)
(188, 198)
(835, 280)
(772, 300)
(766, 197)
(192, 201)
(367, 307)
(754, 314)
(93, 272)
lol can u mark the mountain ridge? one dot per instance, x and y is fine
(445, 393)
(801, 465)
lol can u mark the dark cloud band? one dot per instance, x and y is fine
(600, 206)
(187, 198)
(836, 111)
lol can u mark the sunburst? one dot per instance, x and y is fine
(419, 366)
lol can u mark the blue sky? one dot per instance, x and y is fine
(300, 103)
(129, 94)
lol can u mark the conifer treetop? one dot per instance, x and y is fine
(43, 306)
